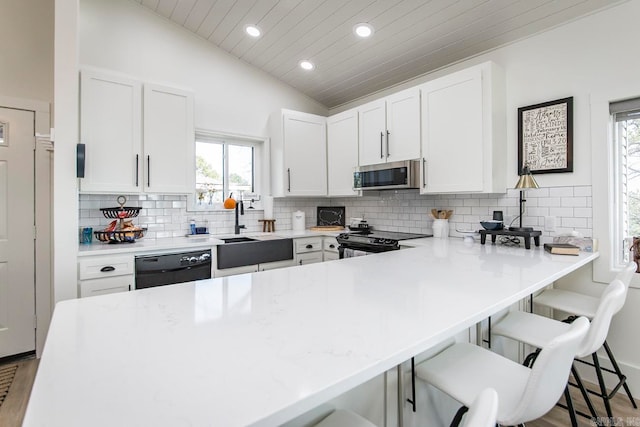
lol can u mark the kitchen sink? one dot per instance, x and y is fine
(238, 239)
(247, 251)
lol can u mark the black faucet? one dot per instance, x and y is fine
(239, 211)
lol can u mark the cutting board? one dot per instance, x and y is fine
(327, 228)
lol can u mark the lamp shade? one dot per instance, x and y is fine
(526, 180)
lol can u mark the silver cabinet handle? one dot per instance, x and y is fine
(148, 171)
(388, 133)
(289, 180)
(137, 168)
(381, 153)
(424, 172)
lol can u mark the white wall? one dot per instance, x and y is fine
(230, 95)
(26, 51)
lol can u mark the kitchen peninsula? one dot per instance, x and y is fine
(263, 348)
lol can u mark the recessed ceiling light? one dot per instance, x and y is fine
(363, 30)
(253, 31)
(307, 65)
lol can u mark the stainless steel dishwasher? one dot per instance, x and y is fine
(168, 269)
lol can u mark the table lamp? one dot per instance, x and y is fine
(525, 181)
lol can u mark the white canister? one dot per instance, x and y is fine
(441, 228)
(267, 205)
(297, 221)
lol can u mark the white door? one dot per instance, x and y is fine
(17, 283)
(403, 126)
(372, 136)
(169, 140)
(110, 126)
(305, 152)
(342, 152)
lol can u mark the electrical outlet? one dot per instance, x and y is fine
(550, 223)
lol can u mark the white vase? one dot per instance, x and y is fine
(441, 228)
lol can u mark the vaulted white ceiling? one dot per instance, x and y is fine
(411, 37)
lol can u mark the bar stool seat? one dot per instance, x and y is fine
(538, 331)
(569, 302)
(463, 370)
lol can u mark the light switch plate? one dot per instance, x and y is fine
(549, 223)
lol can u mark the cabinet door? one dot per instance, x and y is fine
(305, 153)
(110, 118)
(169, 141)
(402, 139)
(109, 285)
(342, 153)
(452, 133)
(372, 133)
(309, 258)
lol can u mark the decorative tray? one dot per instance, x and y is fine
(121, 212)
(121, 236)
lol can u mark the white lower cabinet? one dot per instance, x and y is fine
(308, 250)
(276, 264)
(100, 275)
(330, 249)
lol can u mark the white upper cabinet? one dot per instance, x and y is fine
(298, 154)
(373, 128)
(390, 128)
(169, 158)
(112, 124)
(111, 129)
(463, 132)
(342, 152)
(403, 125)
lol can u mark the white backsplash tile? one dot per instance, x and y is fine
(402, 210)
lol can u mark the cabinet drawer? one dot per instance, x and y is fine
(108, 285)
(330, 256)
(308, 245)
(309, 258)
(100, 267)
(330, 244)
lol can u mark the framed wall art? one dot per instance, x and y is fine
(545, 137)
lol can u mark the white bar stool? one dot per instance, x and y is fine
(481, 414)
(538, 331)
(483, 410)
(579, 304)
(463, 370)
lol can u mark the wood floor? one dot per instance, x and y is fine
(12, 410)
(14, 406)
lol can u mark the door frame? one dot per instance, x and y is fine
(43, 193)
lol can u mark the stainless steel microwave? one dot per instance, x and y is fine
(385, 176)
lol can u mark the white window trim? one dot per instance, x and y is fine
(603, 170)
(262, 168)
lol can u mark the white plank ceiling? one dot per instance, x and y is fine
(412, 37)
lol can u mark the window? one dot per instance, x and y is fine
(225, 164)
(626, 138)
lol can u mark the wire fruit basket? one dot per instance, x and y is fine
(120, 230)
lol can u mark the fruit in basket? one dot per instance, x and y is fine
(112, 225)
(123, 214)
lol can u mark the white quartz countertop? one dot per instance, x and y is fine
(195, 242)
(260, 349)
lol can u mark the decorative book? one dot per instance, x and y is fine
(562, 248)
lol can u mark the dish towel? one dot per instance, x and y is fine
(350, 253)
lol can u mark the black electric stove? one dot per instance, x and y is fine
(373, 241)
